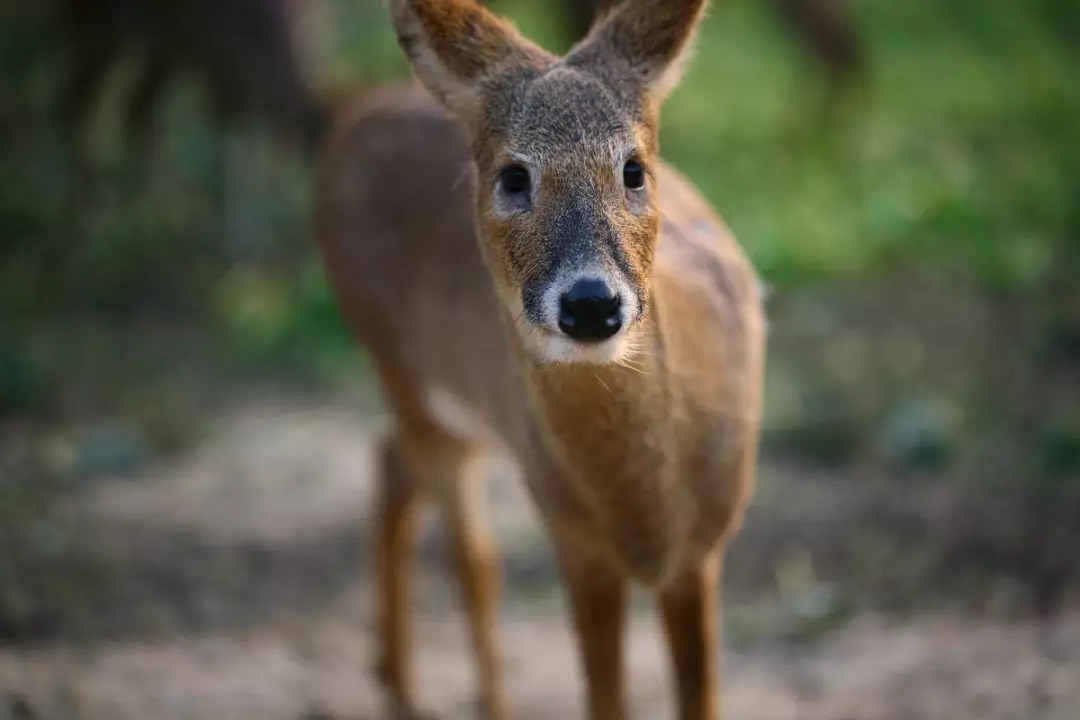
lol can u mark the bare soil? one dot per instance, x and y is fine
(238, 588)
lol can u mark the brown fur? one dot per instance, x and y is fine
(640, 453)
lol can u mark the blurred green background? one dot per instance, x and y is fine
(919, 232)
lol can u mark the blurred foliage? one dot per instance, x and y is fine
(921, 237)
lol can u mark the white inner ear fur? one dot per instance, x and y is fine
(659, 77)
(667, 77)
(456, 94)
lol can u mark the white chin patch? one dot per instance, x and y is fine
(554, 349)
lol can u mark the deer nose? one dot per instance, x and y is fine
(589, 312)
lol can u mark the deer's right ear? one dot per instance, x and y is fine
(455, 46)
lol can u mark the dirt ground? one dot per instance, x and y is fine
(241, 591)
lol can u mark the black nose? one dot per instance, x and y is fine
(590, 311)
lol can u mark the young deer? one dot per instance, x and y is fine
(537, 263)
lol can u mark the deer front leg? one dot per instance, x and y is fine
(690, 608)
(597, 593)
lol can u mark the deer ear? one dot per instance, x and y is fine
(456, 46)
(645, 42)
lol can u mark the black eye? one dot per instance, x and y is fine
(514, 179)
(633, 175)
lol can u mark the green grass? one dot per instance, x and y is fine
(963, 149)
(960, 154)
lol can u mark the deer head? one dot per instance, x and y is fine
(565, 153)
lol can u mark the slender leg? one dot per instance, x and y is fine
(477, 570)
(395, 536)
(690, 606)
(428, 458)
(598, 592)
(423, 456)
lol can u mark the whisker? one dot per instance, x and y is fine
(633, 357)
(601, 381)
(628, 366)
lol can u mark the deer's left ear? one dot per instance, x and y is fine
(454, 46)
(645, 41)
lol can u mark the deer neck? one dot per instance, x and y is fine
(612, 429)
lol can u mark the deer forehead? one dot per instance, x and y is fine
(568, 118)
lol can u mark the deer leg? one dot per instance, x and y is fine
(423, 456)
(597, 594)
(394, 539)
(476, 567)
(690, 608)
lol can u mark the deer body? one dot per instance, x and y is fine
(633, 415)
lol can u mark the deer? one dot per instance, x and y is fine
(528, 276)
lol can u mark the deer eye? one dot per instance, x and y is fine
(633, 175)
(514, 179)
